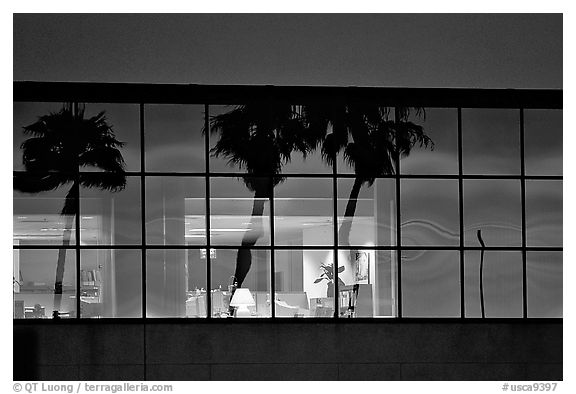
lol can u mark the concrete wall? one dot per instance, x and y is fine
(291, 350)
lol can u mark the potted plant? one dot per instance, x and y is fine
(328, 275)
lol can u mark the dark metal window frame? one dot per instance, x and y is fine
(457, 99)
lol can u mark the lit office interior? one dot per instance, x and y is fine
(167, 244)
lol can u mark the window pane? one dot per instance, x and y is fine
(25, 114)
(110, 283)
(502, 283)
(367, 281)
(122, 118)
(250, 268)
(176, 283)
(174, 140)
(35, 276)
(493, 207)
(430, 283)
(366, 130)
(296, 293)
(491, 141)
(239, 211)
(221, 162)
(429, 212)
(441, 125)
(125, 122)
(175, 211)
(385, 284)
(261, 137)
(110, 218)
(304, 212)
(38, 218)
(366, 214)
(312, 162)
(544, 213)
(543, 142)
(544, 271)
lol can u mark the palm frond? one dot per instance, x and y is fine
(106, 158)
(260, 138)
(37, 183)
(110, 181)
(66, 140)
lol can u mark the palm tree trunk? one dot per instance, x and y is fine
(346, 227)
(244, 256)
(69, 211)
(479, 234)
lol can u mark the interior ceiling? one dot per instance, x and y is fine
(51, 227)
(223, 227)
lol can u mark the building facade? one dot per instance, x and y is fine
(441, 208)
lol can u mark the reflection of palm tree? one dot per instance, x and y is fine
(371, 143)
(61, 144)
(259, 139)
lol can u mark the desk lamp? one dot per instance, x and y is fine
(242, 299)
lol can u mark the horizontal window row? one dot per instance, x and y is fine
(175, 212)
(241, 283)
(295, 137)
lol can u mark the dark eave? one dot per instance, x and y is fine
(239, 94)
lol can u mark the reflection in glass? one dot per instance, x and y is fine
(307, 156)
(176, 283)
(304, 285)
(262, 139)
(257, 282)
(38, 218)
(110, 218)
(64, 142)
(366, 213)
(544, 282)
(543, 142)
(239, 216)
(441, 125)
(311, 163)
(173, 137)
(430, 283)
(25, 114)
(367, 283)
(124, 119)
(544, 213)
(68, 140)
(493, 206)
(175, 211)
(46, 220)
(491, 141)
(304, 212)
(368, 137)
(429, 212)
(34, 273)
(110, 283)
(221, 163)
(501, 285)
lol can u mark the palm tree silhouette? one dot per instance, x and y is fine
(260, 139)
(61, 144)
(371, 142)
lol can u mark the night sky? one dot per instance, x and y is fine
(474, 50)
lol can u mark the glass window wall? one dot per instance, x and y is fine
(252, 222)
